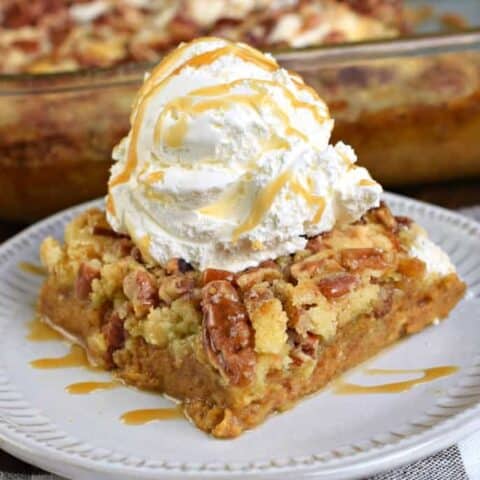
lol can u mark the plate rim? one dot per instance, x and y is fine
(372, 461)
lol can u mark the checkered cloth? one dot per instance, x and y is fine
(459, 462)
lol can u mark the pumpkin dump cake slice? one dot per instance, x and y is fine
(242, 261)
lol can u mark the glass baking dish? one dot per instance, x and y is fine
(410, 107)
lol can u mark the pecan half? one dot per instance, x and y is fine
(107, 232)
(337, 285)
(302, 346)
(310, 268)
(227, 333)
(122, 247)
(175, 286)
(140, 287)
(266, 272)
(114, 335)
(315, 244)
(403, 221)
(177, 265)
(385, 302)
(183, 29)
(411, 267)
(214, 274)
(383, 216)
(360, 258)
(83, 283)
(136, 254)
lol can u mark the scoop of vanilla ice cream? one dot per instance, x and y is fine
(228, 161)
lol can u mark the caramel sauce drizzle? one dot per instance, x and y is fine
(259, 86)
(427, 375)
(175, 135)
(243, 52)
(263, 203)
(189, 105)
(226, 206)
(168, 62)
(110, 205)
(32, 268)
(166, 69)
(41, 332)
(365, 182)
(313, 200)
(84, 388)
(141, 417)
(149, 89)
(76, 357)
(184, 106)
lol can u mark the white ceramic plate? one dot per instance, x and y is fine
(325, 436)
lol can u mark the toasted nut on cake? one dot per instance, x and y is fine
(227, 333)
(302, 346)
(83, 283)
(114, 334)
(266, 272)
(383, 215)
(337, 284)
(213, 274)
(361, 258)
(140, 287)
(177, 265)
(174, 287)
(309, 268)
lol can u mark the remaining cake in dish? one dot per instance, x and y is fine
(242, 261)
(43, 36)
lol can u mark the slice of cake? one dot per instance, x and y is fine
(242, 261)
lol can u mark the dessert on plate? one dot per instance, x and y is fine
(242, 261)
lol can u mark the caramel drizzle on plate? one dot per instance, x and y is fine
(426, 375)
(84, 388)
(32, 268)
(141, 417)
(76, 357)
(41, 332)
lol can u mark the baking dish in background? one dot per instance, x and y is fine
(408, 106)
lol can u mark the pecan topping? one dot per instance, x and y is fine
(136, 254)
(122, 247)
(114, 334)
(385, 302)
(177, 265)
(309, 268)
(108, 232)
(317, 243)
(227, 333)
(182, 29)
(175, 286)
(266, 272)
(302, 345)
(404, 221)
(411, 267)
(83, 283)
(140, 288)
(337, 285)
(213, 274)
(361, 258)
(383, 215)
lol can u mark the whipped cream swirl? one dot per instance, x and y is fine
(228, 161)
